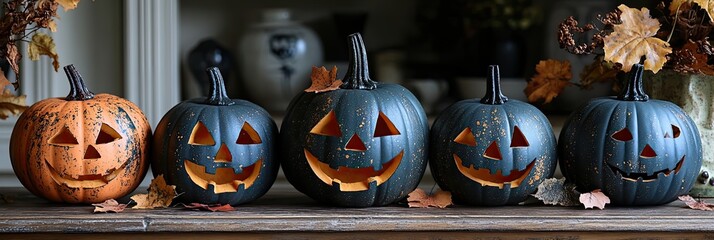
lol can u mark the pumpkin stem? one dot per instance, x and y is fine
(217, 93)
(634, 91)
(493, 88)
(357, 76)
(77, 89)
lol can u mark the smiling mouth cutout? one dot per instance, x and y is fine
(86, 181)
(353, 179)
(634, 177)
(485, 178)
(225, 179)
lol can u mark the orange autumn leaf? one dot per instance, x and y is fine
(635, 38)
(696, 60)
(420, 199)
(43, 44)
(323, 80)
(675, 6)
(594, 199)
(160, 195)
(597, 71)
(68, 4)
(552, 76)
(209, 207)
(109, 206)
(694, 204)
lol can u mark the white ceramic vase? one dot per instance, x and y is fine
(276, 58)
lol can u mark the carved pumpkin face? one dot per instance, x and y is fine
(638, 151)
(361, 145)
(84, 148)
(216, 149)
(492, 151)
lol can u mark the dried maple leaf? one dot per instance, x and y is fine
(10, 104)
(419, 199)
(108, 206)
(68, 4)
(694, 204)
(597, 71)
(594, 199)
(13, 58)
(555, 191)
(707, 5)
(634, 38)
(211, 207)
(323, 80)
(689, 59)
(42, 44)
(160, 195)
(675, 5)
(552, 76)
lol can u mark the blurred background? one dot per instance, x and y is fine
(154, 52)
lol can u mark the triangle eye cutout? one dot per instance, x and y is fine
(675, 131)
(492, 152)
(107, 134)
(384, 127)
(248, 135)
(623, 135)
(201, 136)
(518, 139)
(63, 138)
(327, 126)
(466, 137)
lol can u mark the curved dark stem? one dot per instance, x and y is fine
(217, 93)
(357, 76)
(77, 89)
(634, 91)
(493, 88)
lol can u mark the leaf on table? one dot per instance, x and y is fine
(209, 207)
(707, 5)
(552, 76)
(323, 80)
(68, 4)
(555, 191)
(597, 71)
(420, 199)
(43, 44)
(694, 204)
(109, 206)
(160, 195)
(6, 198)
(594, 199)
(635, 38)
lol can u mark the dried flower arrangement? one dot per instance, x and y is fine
(677, 39)
(21, 22)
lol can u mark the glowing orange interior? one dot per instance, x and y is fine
(492, 152)
(85, 181)
(248, 135)
(485, 178)
(352, 179)
(225, 179)
(201, 136)
(63, 138)
(223, 155)
(466, 137)
(327, 126)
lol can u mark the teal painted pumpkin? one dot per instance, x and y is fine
(491, 151)
(364, 144)
(216, 150)
(638, 151)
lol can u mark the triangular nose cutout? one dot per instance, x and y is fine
(223, 155)
(92, 153)
(492, 152)
(355, 144)
(648, 152)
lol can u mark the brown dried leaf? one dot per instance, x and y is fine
(555, 191)
(160, 195)
(552, 76)
(13, 58)
(675, 5)
(68, 4)
(694, 204)
(594, 199)
(634, 39)
(211, 207)
(10, 105)
(691, 60)
(707, 5)
(419, 199)
(323, 80)
(597, 71)
(108, 206)
(43, 44)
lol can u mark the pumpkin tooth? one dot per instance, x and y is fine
(85, 181)
(487, 178)
(224, 179)
(352, 179)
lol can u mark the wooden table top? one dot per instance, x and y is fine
(285, 210)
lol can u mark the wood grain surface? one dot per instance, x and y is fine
(283, 210)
